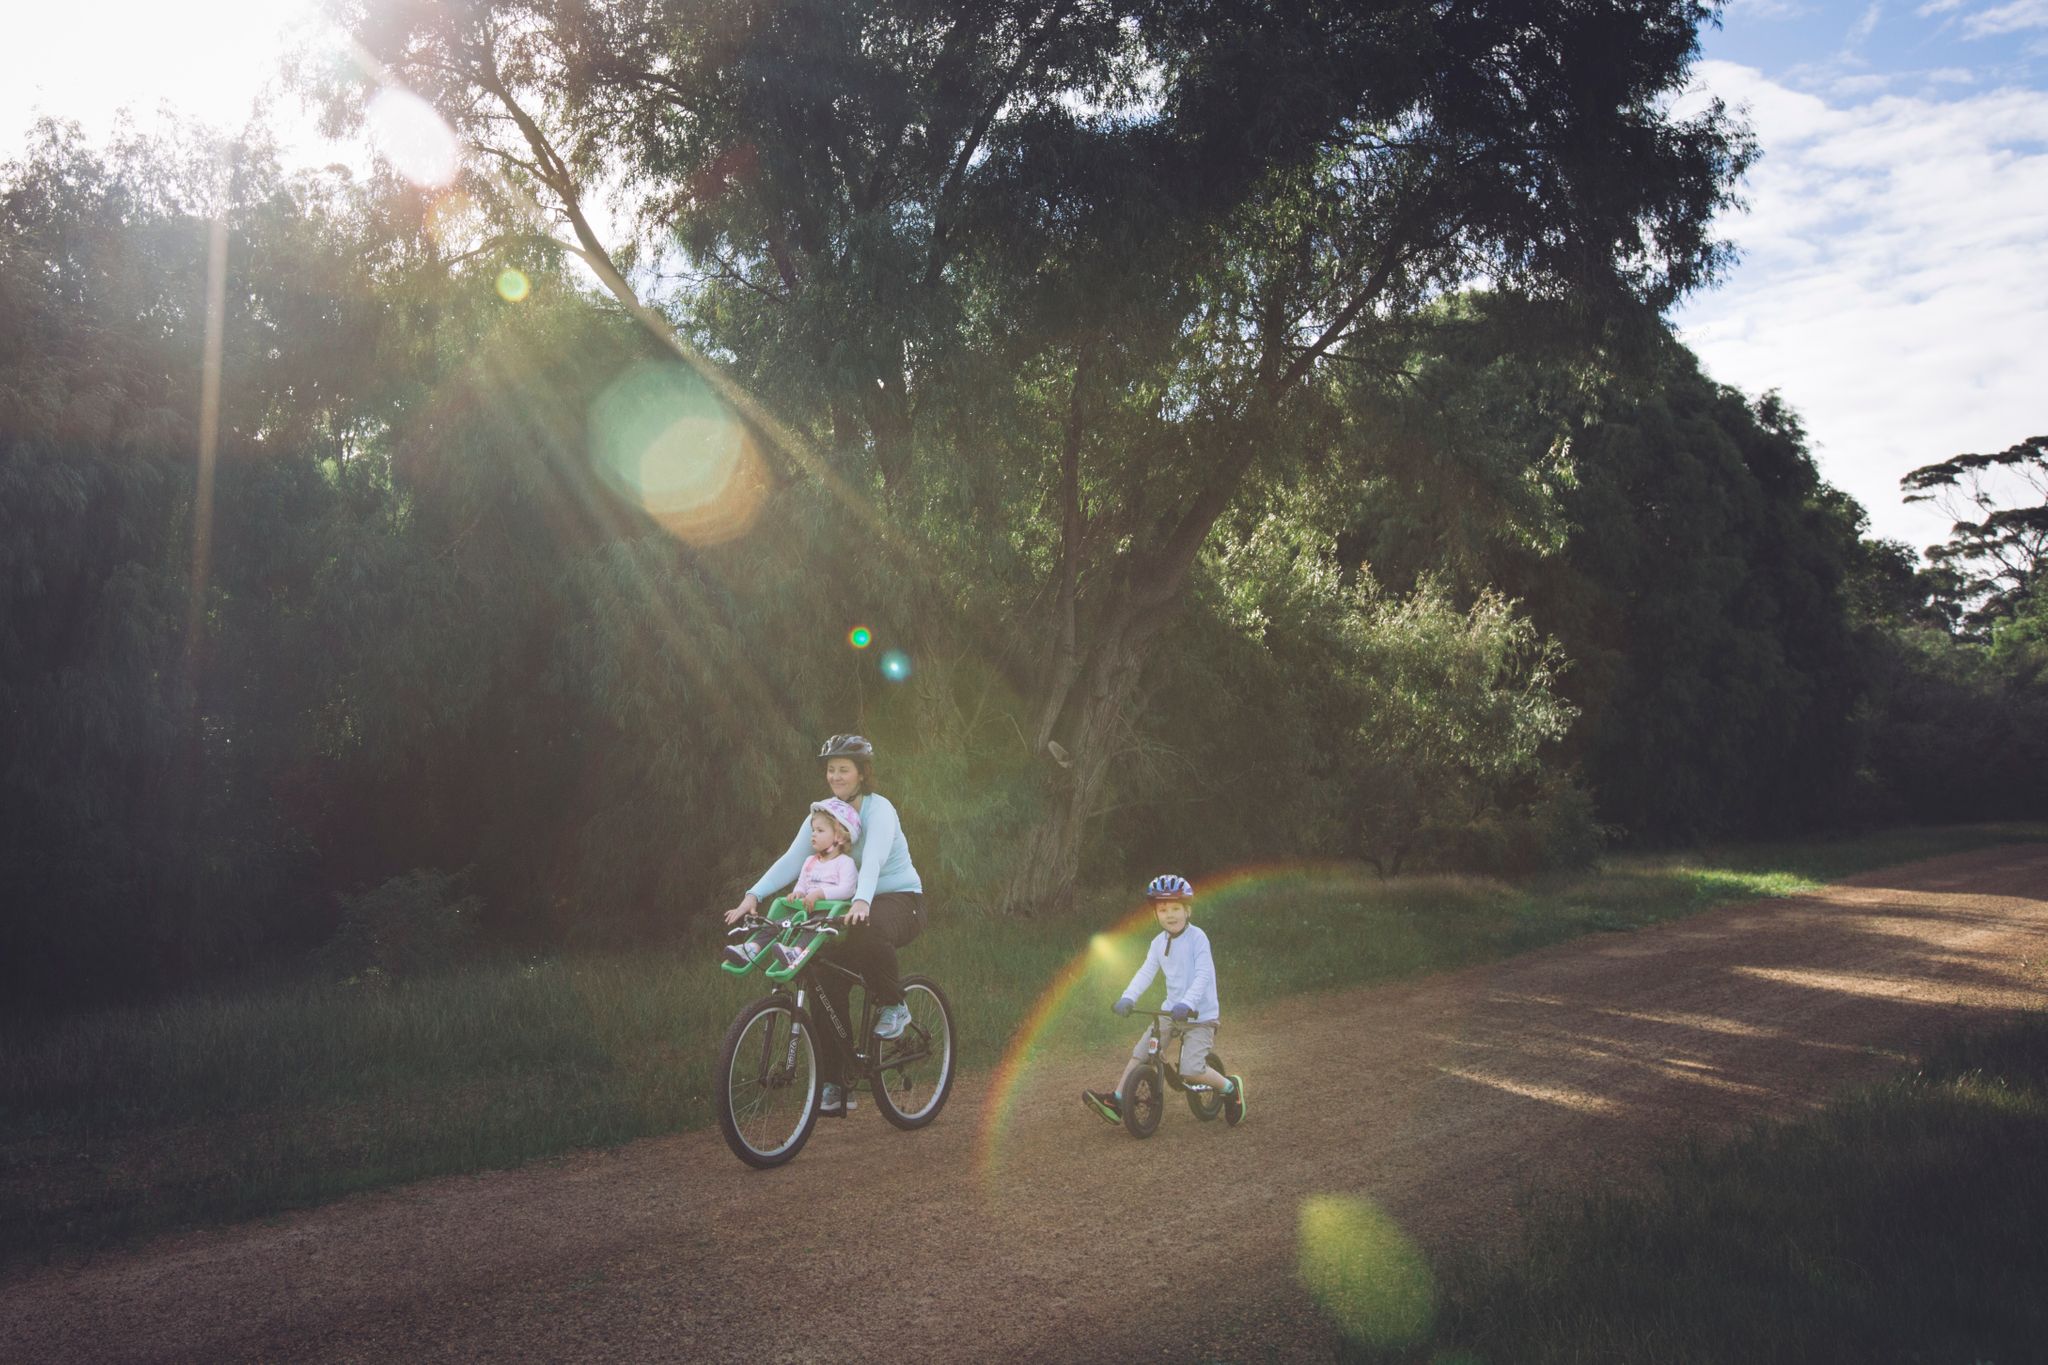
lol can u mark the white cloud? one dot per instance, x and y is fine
(1939, 7)
(1865, 24)
(2009, 18)
(1891, 283)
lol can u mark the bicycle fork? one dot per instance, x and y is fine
(796, 1035)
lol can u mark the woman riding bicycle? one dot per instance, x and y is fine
(887, 910)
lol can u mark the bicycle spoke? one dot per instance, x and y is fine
(768, 1090)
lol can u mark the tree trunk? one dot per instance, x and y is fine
(1091, 725)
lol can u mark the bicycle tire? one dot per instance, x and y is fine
(767, 1082)
(911, 1076)
(1144, 1101)
(1207, 1105)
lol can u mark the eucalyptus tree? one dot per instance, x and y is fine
(161, 643)
(1075, 270)
(1990, 566)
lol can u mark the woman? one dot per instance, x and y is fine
(887, 909)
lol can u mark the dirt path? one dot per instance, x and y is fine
(1437, 1100)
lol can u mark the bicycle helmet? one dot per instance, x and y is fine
(847, 746)
(843, 812)
(1169, 888)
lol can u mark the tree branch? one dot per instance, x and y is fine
(1027, 52)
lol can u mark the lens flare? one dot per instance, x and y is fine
(860, 637)
(513, 286)
(895, 665)
(1364, 1271)
(661, 437)
(407, 132)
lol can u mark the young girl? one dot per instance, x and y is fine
(828, 874)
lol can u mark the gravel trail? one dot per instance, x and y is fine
(1436, 1101)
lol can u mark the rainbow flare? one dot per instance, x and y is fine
(1231, 888)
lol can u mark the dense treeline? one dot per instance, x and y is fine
(495, 612)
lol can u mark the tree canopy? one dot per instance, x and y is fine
(1171, 220)
(1250, 429)
(1989, 568)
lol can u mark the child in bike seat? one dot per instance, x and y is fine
(1181, 951)
(829, 873)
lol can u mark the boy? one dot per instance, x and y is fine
(1182, 951)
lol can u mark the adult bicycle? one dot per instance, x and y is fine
(769, 1082)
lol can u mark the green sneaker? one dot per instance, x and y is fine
(1104, 1102)
(1233, 1102)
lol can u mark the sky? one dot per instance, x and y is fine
(1893, 278)
(1893, 281)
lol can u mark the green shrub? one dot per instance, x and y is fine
(412, 924)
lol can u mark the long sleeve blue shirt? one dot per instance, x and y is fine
(881, 851)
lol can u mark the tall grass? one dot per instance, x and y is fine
(1903, 1223)
(127, 1122)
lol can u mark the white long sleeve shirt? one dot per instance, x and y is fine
(1190, 972)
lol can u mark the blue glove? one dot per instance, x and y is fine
(1182, 1013)
(1123, 1006)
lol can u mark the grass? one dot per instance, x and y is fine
(1901, 1223)
(126, 1123)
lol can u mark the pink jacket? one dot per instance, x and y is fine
(832, 878)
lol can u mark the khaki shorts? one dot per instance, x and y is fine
(1197, 1041)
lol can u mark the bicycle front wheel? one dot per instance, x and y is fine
(913, 1074)
(1144, 1101)
(767, 1082)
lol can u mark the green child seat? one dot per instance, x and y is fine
(792, 925)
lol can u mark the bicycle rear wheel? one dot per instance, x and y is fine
(767, 1082)
(1207, 1105)
(911, 1075)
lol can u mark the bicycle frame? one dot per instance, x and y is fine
(806, 984)
(1156, 1050)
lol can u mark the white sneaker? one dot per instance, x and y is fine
(740, 954)
(892, 1021)
(834, 1100)
(790, 954)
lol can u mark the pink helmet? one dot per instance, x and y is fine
(844, 813)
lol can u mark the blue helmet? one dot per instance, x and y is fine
(1170, 888)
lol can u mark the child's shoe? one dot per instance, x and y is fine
(742, 954)
(1233, 1102)
(1105, 1103)
(834, 1102)
(790, 955)
(892, 1021)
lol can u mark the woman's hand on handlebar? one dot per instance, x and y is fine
(749, 903)
(857, 913)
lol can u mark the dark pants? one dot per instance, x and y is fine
(894, 919)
